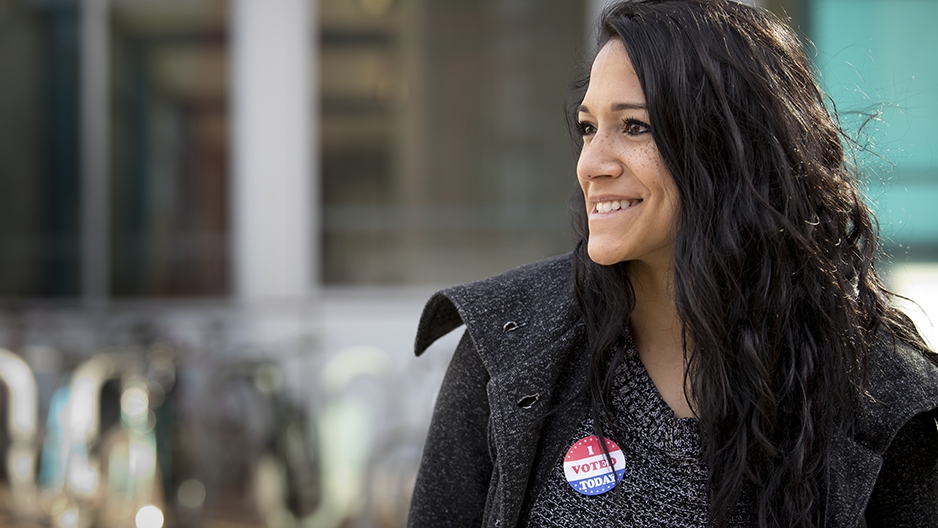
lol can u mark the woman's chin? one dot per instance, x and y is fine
(602, 257)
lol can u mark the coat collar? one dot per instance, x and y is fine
(529, 334)
(901, 383)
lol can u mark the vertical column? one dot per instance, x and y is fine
(93, 145)
(594, 8)
(274, 199)
(411, 138)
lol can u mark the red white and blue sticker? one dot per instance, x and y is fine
(587, 468)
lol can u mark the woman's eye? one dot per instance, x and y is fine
(634, 127)
(586, 129)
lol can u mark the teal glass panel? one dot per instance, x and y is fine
(878, 61)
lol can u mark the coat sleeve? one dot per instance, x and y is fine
(456, 468)
(906, 492)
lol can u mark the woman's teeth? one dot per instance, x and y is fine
(615, 205)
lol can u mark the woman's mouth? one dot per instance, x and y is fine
(613, 205)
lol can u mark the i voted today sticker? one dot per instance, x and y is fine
(587, 468)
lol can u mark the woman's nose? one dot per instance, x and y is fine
(597, 159)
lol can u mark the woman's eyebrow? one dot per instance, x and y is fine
(616, 107)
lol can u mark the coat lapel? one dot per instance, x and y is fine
(528, 332)
(853, 473)
(521, 398)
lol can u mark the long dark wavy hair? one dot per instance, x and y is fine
(774, 276)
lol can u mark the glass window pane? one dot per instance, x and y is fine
(169, 149)
(444, 151)
(38, 148)
(879, 63)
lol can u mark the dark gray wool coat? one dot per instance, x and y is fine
(490, 449)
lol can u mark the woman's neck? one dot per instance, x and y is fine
(657, 332)
(654, 316)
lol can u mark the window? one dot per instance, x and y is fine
(169, 148)
(444, 153)
(878, 60)
(39, 179)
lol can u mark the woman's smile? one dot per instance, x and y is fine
(606, 206)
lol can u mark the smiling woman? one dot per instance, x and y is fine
(718, 349)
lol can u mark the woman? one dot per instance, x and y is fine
(718, 349)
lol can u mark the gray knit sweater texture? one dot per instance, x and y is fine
(665, 482)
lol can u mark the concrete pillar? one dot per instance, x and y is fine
(274, 206)
(95, 93)
(594, 8)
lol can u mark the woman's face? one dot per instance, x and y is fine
(631, 199)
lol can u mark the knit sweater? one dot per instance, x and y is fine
(665, 482)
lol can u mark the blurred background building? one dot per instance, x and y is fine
(219, 220)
